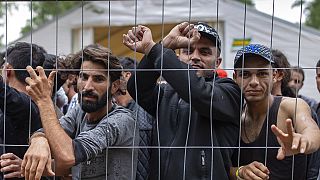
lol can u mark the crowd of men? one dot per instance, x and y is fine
(93, 115)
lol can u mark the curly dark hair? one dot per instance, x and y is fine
(98, 54)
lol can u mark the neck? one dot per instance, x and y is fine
(276, 90)
(259, 108)
(98, 115)
(14, 83)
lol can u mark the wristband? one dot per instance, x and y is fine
(237, 172)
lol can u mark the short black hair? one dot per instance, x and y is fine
(318, 63)
(282, 64)
(128, 64)
(22, 54)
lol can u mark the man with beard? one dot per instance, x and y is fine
(197, 113)
(81, 137)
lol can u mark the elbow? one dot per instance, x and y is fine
(65, 160)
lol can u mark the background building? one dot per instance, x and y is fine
(105, 22)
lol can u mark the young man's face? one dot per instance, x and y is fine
(296, 81)
(94, 87)
(257, 80)
(202, 55)
(318, 79)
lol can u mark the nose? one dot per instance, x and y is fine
(195, 56)
(254, 81)
(88, 85)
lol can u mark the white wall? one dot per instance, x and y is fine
(230, 15)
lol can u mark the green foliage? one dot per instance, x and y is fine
(248, 2)
(313, 18)
(44, 11)
(312, 10)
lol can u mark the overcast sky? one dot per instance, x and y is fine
(283, 10)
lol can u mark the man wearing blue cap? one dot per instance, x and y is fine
(196, 112)
(269, 122)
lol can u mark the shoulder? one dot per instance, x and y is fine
(292, 102)
(291, 105)
(119, 114)
(228, 86)
(227, 82)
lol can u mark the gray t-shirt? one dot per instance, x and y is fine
(93, 144)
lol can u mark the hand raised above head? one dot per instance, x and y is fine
(139, 39)
(181, 36)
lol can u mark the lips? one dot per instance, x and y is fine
(195, 66)
(253, 92)
(89, 95)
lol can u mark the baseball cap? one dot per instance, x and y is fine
(256, 49)
(209, 32)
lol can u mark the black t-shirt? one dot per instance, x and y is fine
(279, 170)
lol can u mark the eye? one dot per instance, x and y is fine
(84, 77)
(263, 74)
(187, 51)
(99, 79)
(205, 52)
(244, 74)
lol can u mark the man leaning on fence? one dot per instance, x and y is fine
(80, 139)
(197, 112)
(269, 122)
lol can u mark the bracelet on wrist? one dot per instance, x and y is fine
(237, 172)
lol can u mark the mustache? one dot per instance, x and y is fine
(89, 94)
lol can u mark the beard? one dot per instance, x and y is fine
(93, 106)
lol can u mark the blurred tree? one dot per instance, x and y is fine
(249, 2)
(5, 8)
(312, 11)
(44, 11)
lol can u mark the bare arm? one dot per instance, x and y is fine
(37, 159)
(306, 126)
(304, 136)
(39, 88)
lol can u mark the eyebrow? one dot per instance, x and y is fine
(94, 75)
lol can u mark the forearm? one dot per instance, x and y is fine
(39, 139)
(60, 143)
(144, 82)
(217, 98)
(313, 137)
(57, 170)
(144, 79)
